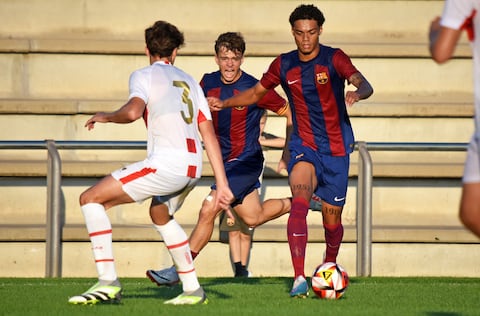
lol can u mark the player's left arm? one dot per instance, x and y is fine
(364, 89)
(129, 112)
(345, 68)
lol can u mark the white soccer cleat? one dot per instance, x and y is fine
(196, 297)
(98, 293)
(168, 276)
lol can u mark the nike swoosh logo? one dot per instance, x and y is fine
(298, 235)
(292, 82)
(337, 199)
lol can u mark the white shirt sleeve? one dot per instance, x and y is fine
(202, 102)
(456, 12)
(139, 84)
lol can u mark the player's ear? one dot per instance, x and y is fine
(147, 52)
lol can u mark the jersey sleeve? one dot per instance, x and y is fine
(201, 118)
(271, 78)
(202, 104)
(456, 12)
(343, 64)
(274, 102)
(138, 85)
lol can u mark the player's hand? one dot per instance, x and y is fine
(351, 97)
(230, 217)
(99, 117)
(223, 198)
(215, 104)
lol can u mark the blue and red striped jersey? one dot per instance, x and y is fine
(315, 90)
(238, 128)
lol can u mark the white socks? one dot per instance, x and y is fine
(100, 232)
(176, 241)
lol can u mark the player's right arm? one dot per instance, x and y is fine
(244, 98)
(129, 112)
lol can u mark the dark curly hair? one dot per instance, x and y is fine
(232, 41)
(307, 12)
(162, 38)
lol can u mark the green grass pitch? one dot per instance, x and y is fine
(253, 296)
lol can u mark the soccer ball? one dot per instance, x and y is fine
(329, 281)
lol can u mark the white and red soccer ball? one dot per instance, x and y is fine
(329, 281)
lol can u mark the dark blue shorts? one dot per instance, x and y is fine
(331, 172)
(243, 177)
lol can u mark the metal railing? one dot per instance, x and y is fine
(364, 211)
(53, 240)
(364, 190)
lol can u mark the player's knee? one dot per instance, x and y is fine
(251, 222)
(207, 212)
(84, 198)
(208, 202)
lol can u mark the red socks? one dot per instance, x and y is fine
(297, 233)
(333, 239)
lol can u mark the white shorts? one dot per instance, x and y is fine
(142, 181)
(471, 173)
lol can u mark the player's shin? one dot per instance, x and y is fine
(333, 239)
(100, 232)
(297, 233)
(176, 241)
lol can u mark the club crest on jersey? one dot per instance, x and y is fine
(322, 78)
(239, 108)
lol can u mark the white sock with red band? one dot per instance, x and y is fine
(100, 232)
(177, 244)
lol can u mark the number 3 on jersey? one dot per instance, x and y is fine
(186, 91)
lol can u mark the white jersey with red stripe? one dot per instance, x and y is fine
(465, 14)
(175, 106)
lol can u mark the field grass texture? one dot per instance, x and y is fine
(249, 296)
